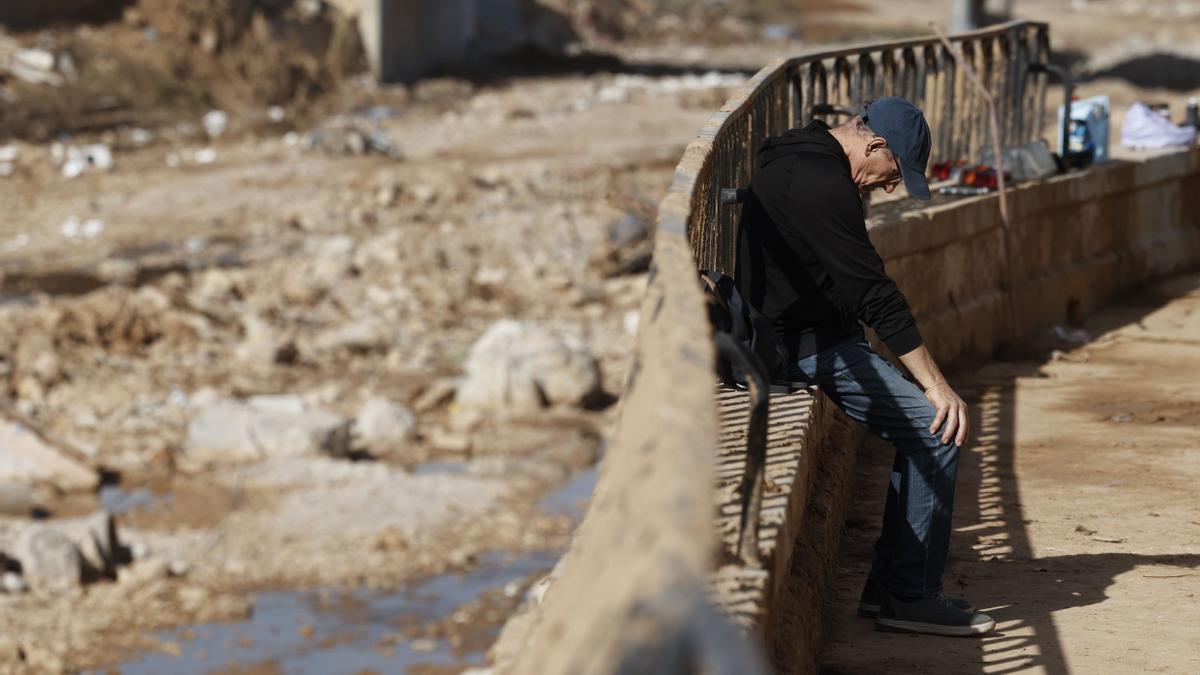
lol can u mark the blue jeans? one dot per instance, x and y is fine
(910, 554)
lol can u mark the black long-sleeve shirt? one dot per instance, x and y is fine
(804, 258)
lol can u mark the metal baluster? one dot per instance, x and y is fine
(888, 61)
(866, 67)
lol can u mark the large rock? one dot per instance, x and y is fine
(233, 430)
(95, 538)
(50, 563)
(519, 368)
(382, 426)
(59, 556)
(27, 458)
(16, 499)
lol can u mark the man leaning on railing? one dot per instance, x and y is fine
(804, 260)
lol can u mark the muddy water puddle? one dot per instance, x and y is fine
(571, 499)
(442, 624)
(336, 631)
(120, 501)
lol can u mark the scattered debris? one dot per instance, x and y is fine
(205, 156)
(13, 583)
(79, 160)
(381, 426)
(141, 137)
(193, 156)
(357, 337)
(263, 344)
(215, 123)
(8, 158)
(436, 394)
(350, 136)
(50, 563)
(624, 86)
(26, 458)
(74, 228)
(1075, 336)
(36, 66)
(233, 430)
(520, 368)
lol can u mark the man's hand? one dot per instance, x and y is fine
(952, 411)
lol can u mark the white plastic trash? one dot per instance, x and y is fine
(1144, 128)
(215, 123)
(80, 159)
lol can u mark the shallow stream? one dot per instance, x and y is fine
(350, 631)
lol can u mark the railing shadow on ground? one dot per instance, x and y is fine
(990, 548)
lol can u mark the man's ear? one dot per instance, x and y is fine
(876, 143)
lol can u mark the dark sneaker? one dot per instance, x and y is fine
(874, 593)
(934, 614)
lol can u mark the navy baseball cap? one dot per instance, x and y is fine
(903, 126)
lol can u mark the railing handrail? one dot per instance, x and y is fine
(926, 41)
(780, 96)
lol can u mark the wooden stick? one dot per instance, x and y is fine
(1004, 222)
(995, 122)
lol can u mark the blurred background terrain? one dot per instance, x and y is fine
(324, 341)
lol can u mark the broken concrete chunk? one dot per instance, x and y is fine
(50, 563)
(382, 426)
(26, 458)
(16, 499)
(232, 430)
(95, 538)
(519, 368)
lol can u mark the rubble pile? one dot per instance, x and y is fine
(334, 346)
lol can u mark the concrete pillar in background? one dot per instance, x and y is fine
(406, 39)
(965, 15)
(998, 10)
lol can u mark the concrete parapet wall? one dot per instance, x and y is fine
(405, 39)
(629, 593)
(1074, 242)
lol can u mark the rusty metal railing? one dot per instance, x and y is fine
(783, 95)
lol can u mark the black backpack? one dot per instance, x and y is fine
(730, 315)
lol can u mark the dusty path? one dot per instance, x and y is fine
(1078, 523)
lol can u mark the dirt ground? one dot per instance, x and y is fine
(1076, 524)
(279, 257)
